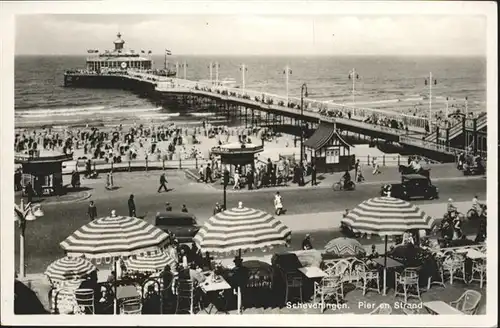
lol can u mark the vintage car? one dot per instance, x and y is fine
(412, 186)
(183, 225)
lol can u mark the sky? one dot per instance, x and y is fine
(60, 34)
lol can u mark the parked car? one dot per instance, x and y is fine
(413, 186)
(183, 225)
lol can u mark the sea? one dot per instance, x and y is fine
(393, 83)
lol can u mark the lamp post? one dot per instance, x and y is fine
(225, 182)
(243, 69)
(353, 75)
(23, 214)
(429, 83)
(303, 93)
(287, 71)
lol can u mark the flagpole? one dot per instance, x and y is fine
(286, 74)
(185, 69)
(243, 69)
(217, 73)
(177, 69)
(165, 62)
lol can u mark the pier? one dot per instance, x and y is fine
(298, 115)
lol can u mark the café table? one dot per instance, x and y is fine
(475, 255)
(440, 307)
(313, 272)
(386, 263)
(211, 286)
(125, 292)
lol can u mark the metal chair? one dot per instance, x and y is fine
(366, 276)
(478, 272)
(407, 279)
(293, 281)
(131, 306)
(468, 302)
(185, 294)
(328, 286)
(384, 309)
(85, 299)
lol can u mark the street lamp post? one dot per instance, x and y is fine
(303, 93)
(23, 214)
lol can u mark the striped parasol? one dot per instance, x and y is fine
(344, 246)
(69, 268)
(149, 263)
(114, 236)
(241, 229)
(387, 216)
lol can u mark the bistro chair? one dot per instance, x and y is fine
(293, 282)
(454, 266)
(478, 272)
(131, 306)
(468, 302)
(85, 299)
(408, 279)
(186, 297)
(367, 276)
(384, 309)
(327, 287)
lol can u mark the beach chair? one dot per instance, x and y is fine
(186, 297)
(131, 306)
(478, 272)
(327, 287)
(367, 275)
(293, 282)
(85, 299)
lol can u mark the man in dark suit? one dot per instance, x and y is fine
(131, 206)
(163, 183)
(92, 211)
(313, 175)
(208, 174)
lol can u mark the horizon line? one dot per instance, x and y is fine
(285, 55)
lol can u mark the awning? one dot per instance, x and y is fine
(321, 136)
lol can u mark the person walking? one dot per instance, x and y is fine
(208, 174)
(278, 203)
(131, 206)
(356, 168)
(163, 183)
(184, 209)
(92, 211)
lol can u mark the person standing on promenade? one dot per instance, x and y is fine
(163, 183)
(184, 209)
(131, 206)
(92, 211)
(168, 207)
(356, 168)
(313, 175)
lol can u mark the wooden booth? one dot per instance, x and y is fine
(328, 150)
(43, 170)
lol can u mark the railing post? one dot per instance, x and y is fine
(163, 163)
(368, 159)
(196, 162)
(383, 160)
(146, 163)
(180, 163)
(129, 169)
(399, 160)
(112, 165)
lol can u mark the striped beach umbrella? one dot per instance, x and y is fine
(241, 229)
(387, 216)
(69, 268)
(149, 263)
(344, 247)
(115, 236)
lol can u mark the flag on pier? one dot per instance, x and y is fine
(150, 52)
(289, 71)
(168, 52)
(92, 51)
(427, 82)
(143, 52)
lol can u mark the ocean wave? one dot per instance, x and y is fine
(80, 111)
(202, 114)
